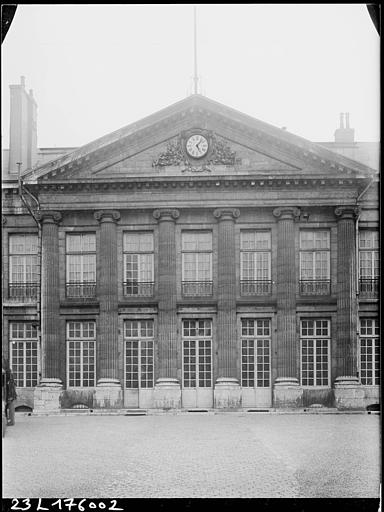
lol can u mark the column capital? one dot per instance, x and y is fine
(226, 213)
(166, 214)
(48, 217)
(107, 216)
(287, 212)
(347, 212)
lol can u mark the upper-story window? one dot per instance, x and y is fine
(197, 263)
(24, 267)
(138, 264)
(315, 262)
(369, 263)
(255, 262)
(81, 265)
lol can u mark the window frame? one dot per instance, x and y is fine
(375, 339)
(316, 338)
(139, 254)
(81, 340)
(314, 252)
(31, 259)
(200, 345)
(23, 341)
(245, 368)
(256, 268)
(140, 338)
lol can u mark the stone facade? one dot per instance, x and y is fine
(169, 325)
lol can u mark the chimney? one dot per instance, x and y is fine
(344, 135)
(23, 128)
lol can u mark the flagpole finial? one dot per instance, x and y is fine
(195, 76)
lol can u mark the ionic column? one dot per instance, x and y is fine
(227, 388)
(108, 392)
(348, 392)
(287, 392)
(167, 389)
(46, 395)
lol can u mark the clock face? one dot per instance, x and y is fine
(197, 146)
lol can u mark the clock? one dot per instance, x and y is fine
(196, 146)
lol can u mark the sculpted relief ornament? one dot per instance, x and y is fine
(181, 152)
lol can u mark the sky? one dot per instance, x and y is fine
(95, 68)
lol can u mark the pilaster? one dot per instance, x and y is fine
(227, 388)
(348, 390)
(287, 392)
(47, 393)
(167, 389)
(108, 391)
(50, 298)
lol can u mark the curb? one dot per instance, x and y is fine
(194, 412)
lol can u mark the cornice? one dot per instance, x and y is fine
(195, 182)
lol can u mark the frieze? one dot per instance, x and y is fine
(221, 153)
(175, 155)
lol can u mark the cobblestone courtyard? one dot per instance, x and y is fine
(236, 455)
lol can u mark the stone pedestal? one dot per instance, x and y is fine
(349, 393)
(46, 397)
(108, 394)
(227, 393)
(167, 394)
(287, 393)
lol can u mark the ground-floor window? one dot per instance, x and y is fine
(81, 357)
(24, 354)
(369, 352)
(197, 353)
(315, 347)
(139, 367)
(255, 353)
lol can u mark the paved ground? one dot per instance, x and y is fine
(193, 455)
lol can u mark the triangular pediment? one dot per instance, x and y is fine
(237, 145)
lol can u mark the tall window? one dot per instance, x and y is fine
(197, 353)
(139, 343)
(255, 247)
(81, 265)
(24, 267)
(369, 352)
(24, 354)
(197, 263)
(255, 353)
(369, 262)
(138, 264)
(81, 341)
(315, 352)
(315, 262)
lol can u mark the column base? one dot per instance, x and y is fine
(108, 394)
(167, 394)
(46, 396)
(349, 393)
(287, 393)
(227, 393)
